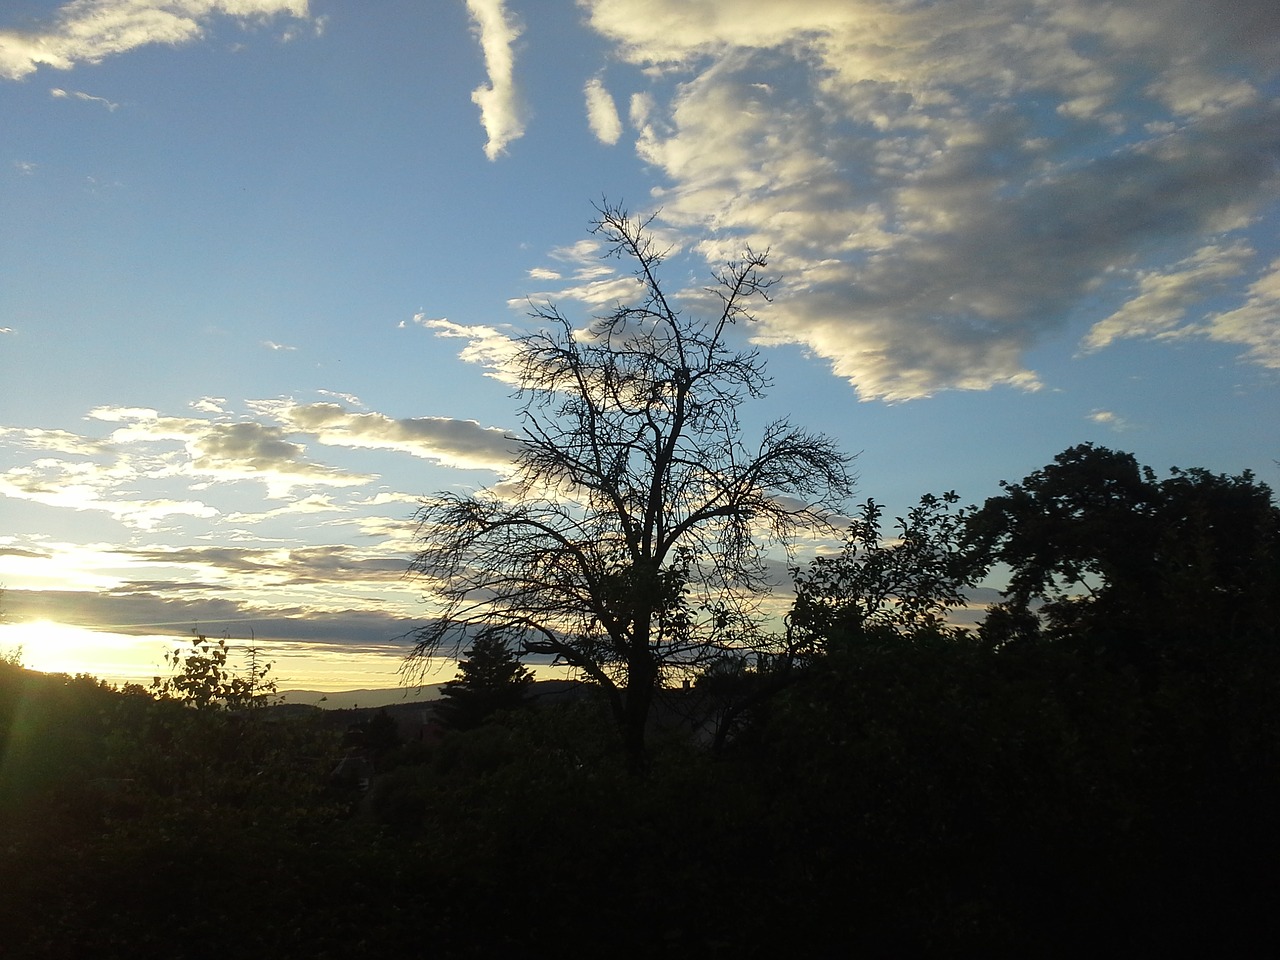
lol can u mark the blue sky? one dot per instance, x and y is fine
(258, 257)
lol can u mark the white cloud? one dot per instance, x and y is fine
(602, 112)
(122, 414)
(316, 503)
(79, 485)
(942, 185)
(457, 443)
(245, 450)
(4, 330)
(348, 398)
(1254, 323)
(275, 347)
(1108, 418)
(501, 112)
(421, 319)
(486, 346)
(1165, 297)
(58, 92)
(89, 31)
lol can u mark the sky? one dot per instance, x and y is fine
(259, 261)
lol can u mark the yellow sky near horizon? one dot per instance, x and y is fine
(119, 658)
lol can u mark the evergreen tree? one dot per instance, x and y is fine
(489, 679)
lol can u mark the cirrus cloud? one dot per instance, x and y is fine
(89, 31)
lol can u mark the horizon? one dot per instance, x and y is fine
(259, 269)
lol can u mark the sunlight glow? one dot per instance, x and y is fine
(52, 647)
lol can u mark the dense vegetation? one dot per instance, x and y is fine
(1096, 768)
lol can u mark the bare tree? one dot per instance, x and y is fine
(637, 543)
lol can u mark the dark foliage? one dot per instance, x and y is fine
(1101, 552)
(911, 790)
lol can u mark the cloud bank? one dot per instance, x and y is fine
(944, 185)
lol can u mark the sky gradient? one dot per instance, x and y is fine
(260, 261)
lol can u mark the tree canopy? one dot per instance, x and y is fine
(1099, 549)
(636, 542)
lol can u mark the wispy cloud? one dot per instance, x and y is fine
(89, 31)
(602, 112)
(943, 185)
(422, 320)
(487, 346)
(1108, 418)
(275, 347)
(25, 167)
(1253, 323)
(59, 93)
(501, 112)
(1166, 296)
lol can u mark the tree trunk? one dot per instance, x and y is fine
(637, 700)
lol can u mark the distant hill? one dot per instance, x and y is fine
(545, 691)
(348, 699)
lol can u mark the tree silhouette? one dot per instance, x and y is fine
(202, 679)
(1101, 549)
(635, 542)
(491, 678)
(874, 589)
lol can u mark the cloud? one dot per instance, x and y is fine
(4, 330)
(1165, 297)
(422, 320)
(316, 503)
(602, 113)
(1253, 323)
(590, 281)
(1107, 418)
(90, 486)
(55, 441)
(89, 31)
(272, 566)
(79, 95)
(501, 112)
(239, 451)
(25, 167)
(457, 443)
(153, 609)
(944, 186)
(273, 346)
(487, 346)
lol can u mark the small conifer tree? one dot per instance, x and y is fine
(489, 679)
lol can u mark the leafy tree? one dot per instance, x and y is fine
(1099, 548)
(878, 588)
(635, 542)
(491, 678)
(202, 679)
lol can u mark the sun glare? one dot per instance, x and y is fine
(52, 647)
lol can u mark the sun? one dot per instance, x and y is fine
(52, 647)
